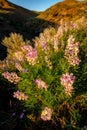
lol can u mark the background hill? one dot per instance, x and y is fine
(67, 10)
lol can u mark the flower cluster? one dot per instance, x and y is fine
(20, 95)
(19, 67)
(46, 38)
(26, 48)
(46, 114)
(18, 56)
(55, 43)
(42, 42)
(71, 51)
(67, 81)
(30, 54)
(12, 77)
(41, 84)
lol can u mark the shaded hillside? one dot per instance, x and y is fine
(17, 19)
(13, 18)
(67, 10)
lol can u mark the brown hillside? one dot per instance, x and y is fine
(4, 4)
(13, 18)
(67, 10)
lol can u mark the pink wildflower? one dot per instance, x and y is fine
(20, 95)
(71, 51)
(12, 77)
(18, 66)
(67, 81)
(19, 56)
(41, 84)
(55, 43)
(44, 45)
(26, 49)
(46, 114)
(31, 56)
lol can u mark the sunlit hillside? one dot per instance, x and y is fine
(4, 4)
(67, 10)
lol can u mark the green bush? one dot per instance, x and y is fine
(51, 77)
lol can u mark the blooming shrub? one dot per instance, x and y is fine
(71, 51)
(12, 77)
(67, 80)
(53, 73)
